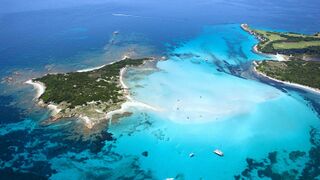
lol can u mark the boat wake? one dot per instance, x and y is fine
(127, 15)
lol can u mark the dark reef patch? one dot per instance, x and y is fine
(145, 153)
(312, 167)
(9, 113)
(294, 155)
(268, 167)
(28, 151)
(8, 173)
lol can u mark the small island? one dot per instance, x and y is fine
(91, 95)
(300, 65)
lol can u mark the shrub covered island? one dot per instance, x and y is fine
(89, 94)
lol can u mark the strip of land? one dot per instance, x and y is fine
(90, 95)
(299, 68)
(307, 76)
(298, 46)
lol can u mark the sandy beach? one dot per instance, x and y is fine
(98, 67)
(315, 90)
(130, 101)
(40, 87)
(91, 69)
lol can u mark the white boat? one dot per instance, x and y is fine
(218, 152)
(191, 154)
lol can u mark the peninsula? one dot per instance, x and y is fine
(294, 45)
(91, 95)
(301, 63)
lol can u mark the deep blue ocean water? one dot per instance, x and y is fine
(265, 129)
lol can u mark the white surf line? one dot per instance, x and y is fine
(286, 82)
(127, 15)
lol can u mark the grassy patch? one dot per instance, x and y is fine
(288, 43)
(296, 45)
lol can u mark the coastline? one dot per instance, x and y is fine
(279, 57)
(40, 89)
(38, 86)
(99, 67)
(315, 90)
(130, 102)
(91, 69)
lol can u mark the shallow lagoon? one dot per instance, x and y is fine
(201, 109)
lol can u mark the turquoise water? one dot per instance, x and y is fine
(205, 94)
(200, 109)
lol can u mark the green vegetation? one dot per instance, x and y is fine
(295, 71)
(80, 88)
(295, 45)
(288, 43)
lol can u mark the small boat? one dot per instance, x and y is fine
(218, 152)
(191, 154)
